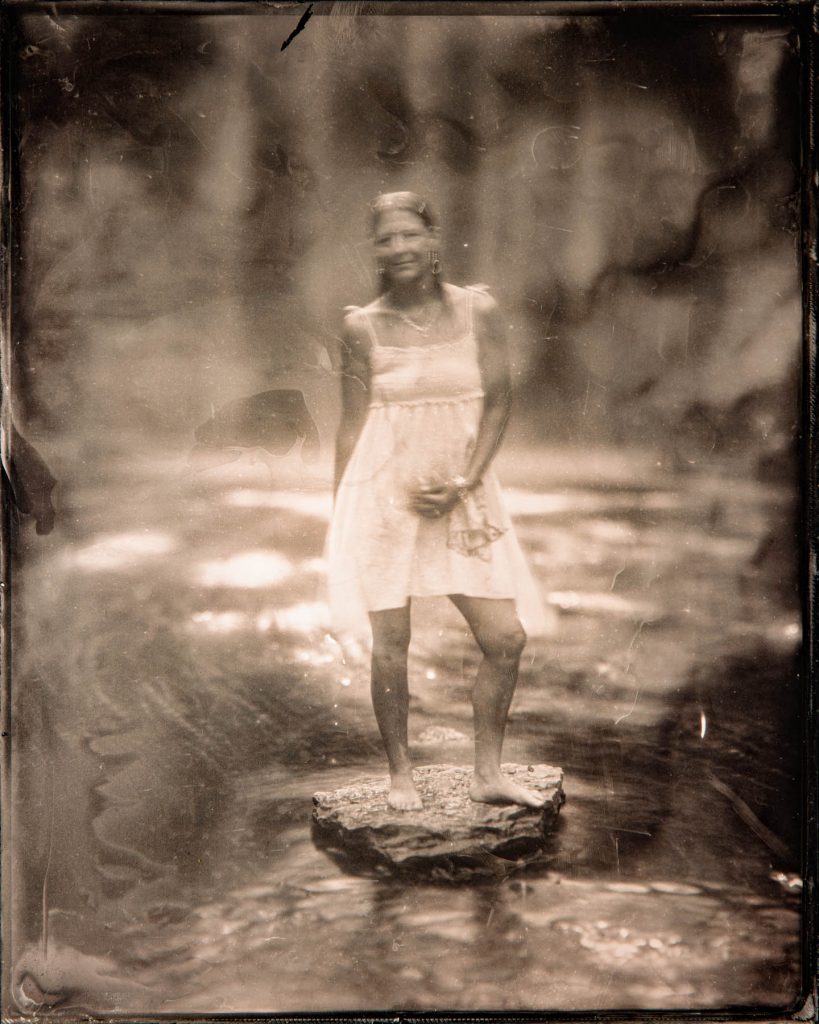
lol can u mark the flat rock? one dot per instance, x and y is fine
(451, 837)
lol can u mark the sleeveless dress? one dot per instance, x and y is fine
(421, 425)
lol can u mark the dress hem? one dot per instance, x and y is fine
(449, 593)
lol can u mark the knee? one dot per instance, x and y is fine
(504, 645)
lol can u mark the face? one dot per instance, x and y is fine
(403, 243)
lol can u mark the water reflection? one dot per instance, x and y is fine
(178, 869)
(248, 569)
(306, 504)
(120, 550)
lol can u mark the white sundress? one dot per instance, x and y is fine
(421, 425)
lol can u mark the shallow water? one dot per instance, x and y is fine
(177, 701)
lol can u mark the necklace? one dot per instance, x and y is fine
(422, 328)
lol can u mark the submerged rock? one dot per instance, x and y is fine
(435, 734)
(452, 837)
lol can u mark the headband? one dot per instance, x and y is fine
(399, 201)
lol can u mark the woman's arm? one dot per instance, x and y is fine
(355, 391)
(493, 357)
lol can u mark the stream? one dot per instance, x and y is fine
(177, 699)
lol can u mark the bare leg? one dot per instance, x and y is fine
(390, 694)
(500, 636)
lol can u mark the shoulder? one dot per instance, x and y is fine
(355, 327)
(483, 304)
(354, 318)
(485, 310)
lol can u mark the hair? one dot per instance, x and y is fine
(413, 204)
(401, 201)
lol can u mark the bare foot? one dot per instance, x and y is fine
(501, 790)
(403, 795)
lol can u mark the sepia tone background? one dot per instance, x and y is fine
(189, 220)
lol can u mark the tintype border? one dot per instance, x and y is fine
(804, 17)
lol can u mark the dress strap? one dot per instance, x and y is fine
(470, 300)
(370, 328)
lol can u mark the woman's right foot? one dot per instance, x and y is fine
(498, 789)
(403, 795)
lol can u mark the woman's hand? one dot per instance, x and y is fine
(432, 501)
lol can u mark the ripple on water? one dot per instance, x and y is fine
(232, 742)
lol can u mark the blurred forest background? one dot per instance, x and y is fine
(191, 214)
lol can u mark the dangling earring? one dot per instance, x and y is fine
(434, 262)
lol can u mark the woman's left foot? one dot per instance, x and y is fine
(501, 790)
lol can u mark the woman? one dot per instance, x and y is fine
(418, 510)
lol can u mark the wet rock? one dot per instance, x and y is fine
(451, 838)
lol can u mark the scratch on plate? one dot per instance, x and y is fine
(614, 578)
(47, 869)
(637, 632)
(630, 711)
(744, 812)
(299, 28)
